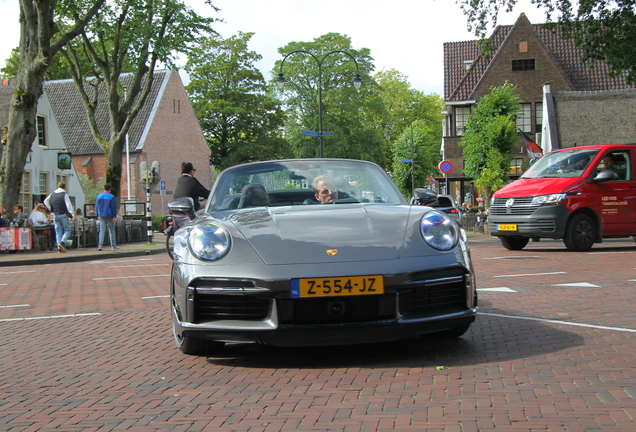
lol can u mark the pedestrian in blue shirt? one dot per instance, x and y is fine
(106, 207)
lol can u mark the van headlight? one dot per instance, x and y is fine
(548, 199)
(209, 241)
(439, 231)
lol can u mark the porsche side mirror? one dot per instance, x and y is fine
(424, 196)
(182, 206)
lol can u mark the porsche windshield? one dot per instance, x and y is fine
(567, 163)
(303, 182)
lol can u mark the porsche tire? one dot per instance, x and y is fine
(194, 346)
(513, 243)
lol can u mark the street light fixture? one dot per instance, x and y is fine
(387, 135)
(357, 82)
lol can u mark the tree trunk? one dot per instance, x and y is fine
(37, 48)
(114, 168)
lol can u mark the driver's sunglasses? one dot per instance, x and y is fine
(325, 192)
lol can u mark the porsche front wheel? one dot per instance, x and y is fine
(194, 346)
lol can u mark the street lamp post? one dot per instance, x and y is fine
(387, 135)
(357, 82)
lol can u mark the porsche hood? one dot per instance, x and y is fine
(324, 233)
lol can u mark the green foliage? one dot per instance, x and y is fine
(326, 63)
(404, 104)
(91, 188)
(132, 35)
(156, 223)
(240, 120)
(604, 30)
(489, 138)
(427, 138)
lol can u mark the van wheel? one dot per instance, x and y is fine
(580, 233)
(513, 243)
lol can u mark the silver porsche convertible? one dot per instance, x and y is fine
(315, 252)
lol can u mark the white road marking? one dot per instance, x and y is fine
(579, 284)
(51, 317)
(121, 261)
(561, 322)
(152, 297)
(530, 274)
(131, 277)
(14, 306)
(14, 272)
(139, 265)
(500, 289)
(513, 257)
(609, 252)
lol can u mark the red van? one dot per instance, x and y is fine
(580, 194)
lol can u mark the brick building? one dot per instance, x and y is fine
(166, 130)
(530, 56)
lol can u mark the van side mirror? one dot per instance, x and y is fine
(604, 175)
(182, 206)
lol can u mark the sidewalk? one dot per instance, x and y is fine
(18, 258)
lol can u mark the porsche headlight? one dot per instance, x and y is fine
(209, 241)
(439, 231)
(548, 199)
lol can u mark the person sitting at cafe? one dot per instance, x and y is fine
(4, 218)
(39, 216)
(18, 216)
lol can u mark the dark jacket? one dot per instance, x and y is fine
(188, 186)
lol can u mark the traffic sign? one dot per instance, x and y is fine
(162, 185)
(327, 134)
(309, 133)
(406, 160)
(445, 166)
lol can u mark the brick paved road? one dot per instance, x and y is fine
(83, 351)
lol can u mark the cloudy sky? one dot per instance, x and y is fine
(406, 35)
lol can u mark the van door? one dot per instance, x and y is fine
(615, 200)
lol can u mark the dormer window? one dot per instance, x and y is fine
(523, 65)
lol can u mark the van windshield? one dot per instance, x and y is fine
(567, 163)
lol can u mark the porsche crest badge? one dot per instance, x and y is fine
(332, 252)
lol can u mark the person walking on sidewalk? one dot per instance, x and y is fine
(106, 207)
(60, 205)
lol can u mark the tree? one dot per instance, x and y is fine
(405, 105)
(489, 138)
(41, 37)
(143, 33)
(604, 30)
(426, 142)
(345, 111)
(241, 121)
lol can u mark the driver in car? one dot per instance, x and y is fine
(325, 189)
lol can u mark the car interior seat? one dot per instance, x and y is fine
(254, 195)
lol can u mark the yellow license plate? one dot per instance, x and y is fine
(507, 227)
(340, 286)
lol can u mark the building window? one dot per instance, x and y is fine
(41, 131)
(44, 183)
(524, 117)
(538, 117)
(461, 117)
(25, 191)
(516, 166)
(523, 65)
(61, 178)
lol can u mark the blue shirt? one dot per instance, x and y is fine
(105, 205)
